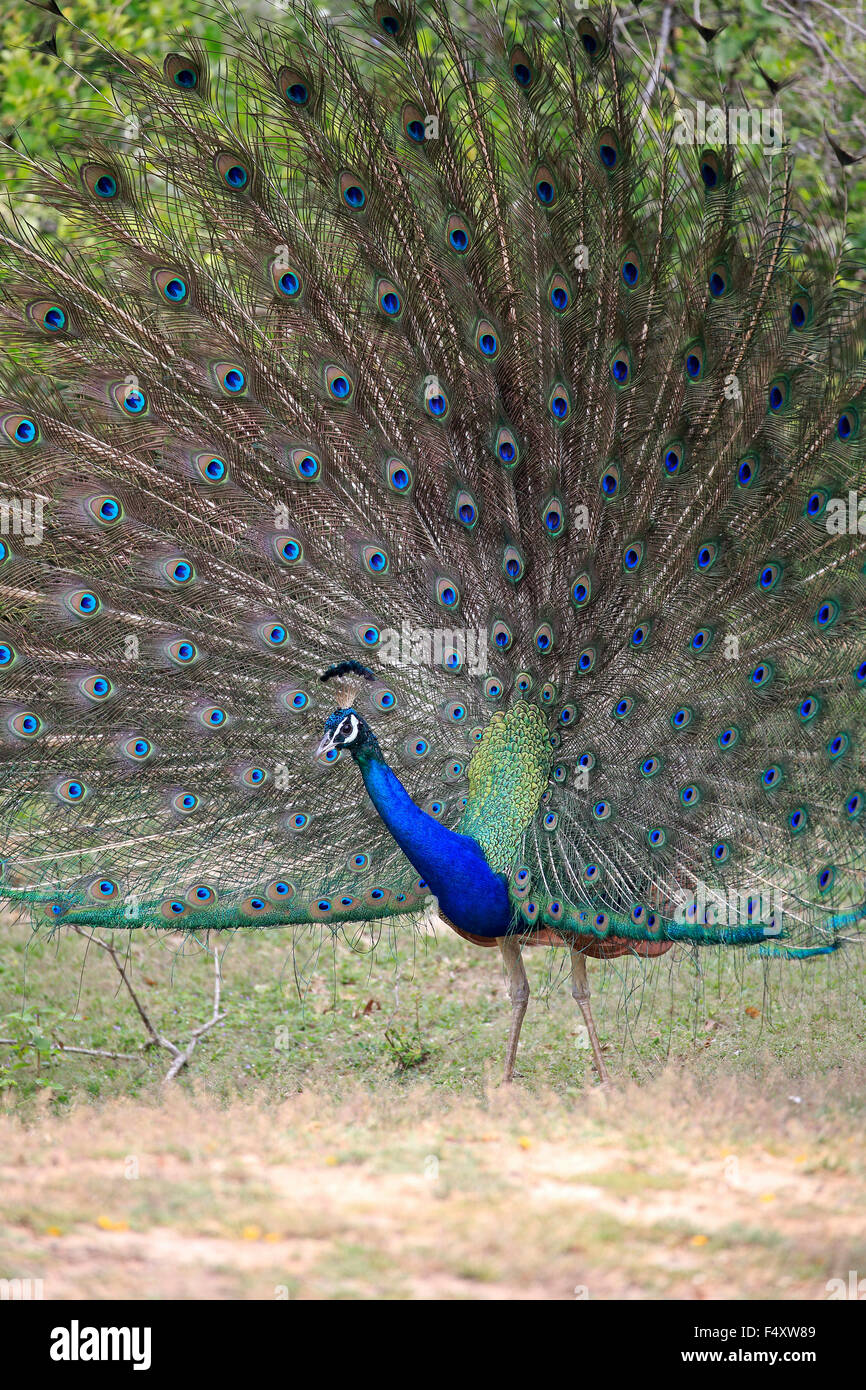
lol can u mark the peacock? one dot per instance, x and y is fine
(423, 450)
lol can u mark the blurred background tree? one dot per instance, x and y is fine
(812, 52)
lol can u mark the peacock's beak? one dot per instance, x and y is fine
(326, 744)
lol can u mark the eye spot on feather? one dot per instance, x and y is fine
(288, 550)
(729, 737)
(502, 636)
(105, 510)
(101, 181)
(179, 572)
(762, 674)
(632, 556)
(137, 748)
(673, 457)
(826, 614)
(457, 234)
(607, 149)
(512, 564)
(559, 294)
(721, 852)
(172, 286)
(690, 794)
(294, 699)
(234, 170)
(825, 878)
(8, 656)
(693, 361)
(854, 805)
(389, 19)
(26, 724)
(279, 890)
(559, 403)
(593, 41)
(682, 717)
(581, 590)
(210, 469)
(848, 425)
(798, 820)
(21, 430)
(801, 312)
(779, 395)
(295, 87)
(706, 555)
(412, 119)
(254, 777)
(184, 803)
(213, 717)
(389, 299)
(657, 837)
(720, 281)
(48, 316)
(506, 448)
(747, 470)
(375, 560)
(816, 504)
(447, 593)
(838, 745)
(771, 777)
(610, 481)
(436, 401)
(545, 187)
(522, 68)
(183, 653)
(621, 367)
(102, 889)
(182, 72)
(487, 340)
(466, 510)
(641, 634)
(96, 687)
(83, 603)
(711, 171)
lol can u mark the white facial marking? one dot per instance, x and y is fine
(350, 723)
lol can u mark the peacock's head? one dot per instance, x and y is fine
(346, 728)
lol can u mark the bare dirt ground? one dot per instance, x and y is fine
(674, 1189)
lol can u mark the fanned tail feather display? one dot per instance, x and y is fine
(440, 361)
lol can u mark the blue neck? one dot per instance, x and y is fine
(469, 893)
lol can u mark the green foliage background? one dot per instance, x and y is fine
(823, 44)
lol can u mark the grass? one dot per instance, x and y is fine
(353, 1141)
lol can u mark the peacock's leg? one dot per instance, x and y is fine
(580, 991)
(518, 993)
